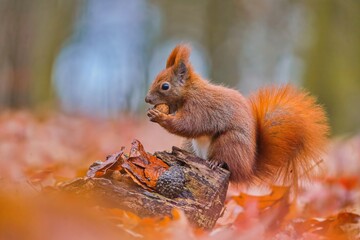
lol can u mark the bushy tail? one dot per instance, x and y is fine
(292, 133)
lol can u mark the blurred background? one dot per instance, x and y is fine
(74, 74)
(97, 58)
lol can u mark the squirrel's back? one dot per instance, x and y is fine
(291, 132)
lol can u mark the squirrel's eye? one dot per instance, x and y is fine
(165, 86)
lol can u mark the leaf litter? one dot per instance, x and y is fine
(39, 152)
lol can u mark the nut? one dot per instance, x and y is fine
(162, 108)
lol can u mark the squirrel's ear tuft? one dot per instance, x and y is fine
(180, 53)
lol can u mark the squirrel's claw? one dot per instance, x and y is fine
(215, 164)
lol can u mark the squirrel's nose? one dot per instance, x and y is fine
(147, 99)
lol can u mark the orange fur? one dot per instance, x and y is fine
(291, 133)
(275, 135)
(179, 53)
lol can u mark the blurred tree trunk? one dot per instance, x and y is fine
(30, 35)
(332, 66)
(223, 40)
(53, 21)
(14, 53)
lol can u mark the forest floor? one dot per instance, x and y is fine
(37, 152)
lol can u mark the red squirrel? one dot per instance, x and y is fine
(277, 134)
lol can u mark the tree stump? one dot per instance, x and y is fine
(189, 184)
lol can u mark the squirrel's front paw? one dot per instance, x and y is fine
(155, 115)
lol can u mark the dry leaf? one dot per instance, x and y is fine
(113, 162)
(144, 168)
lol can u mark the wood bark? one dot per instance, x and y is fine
(189, 185)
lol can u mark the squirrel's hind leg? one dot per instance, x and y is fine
(238, 152)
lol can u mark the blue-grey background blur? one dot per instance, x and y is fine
(98, 57)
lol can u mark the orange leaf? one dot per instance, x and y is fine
(144, 168)
(263, 202)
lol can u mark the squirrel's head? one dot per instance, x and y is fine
(170, 84)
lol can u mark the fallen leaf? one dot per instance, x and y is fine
(144, 168)
(263, 202)
(113, 162)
